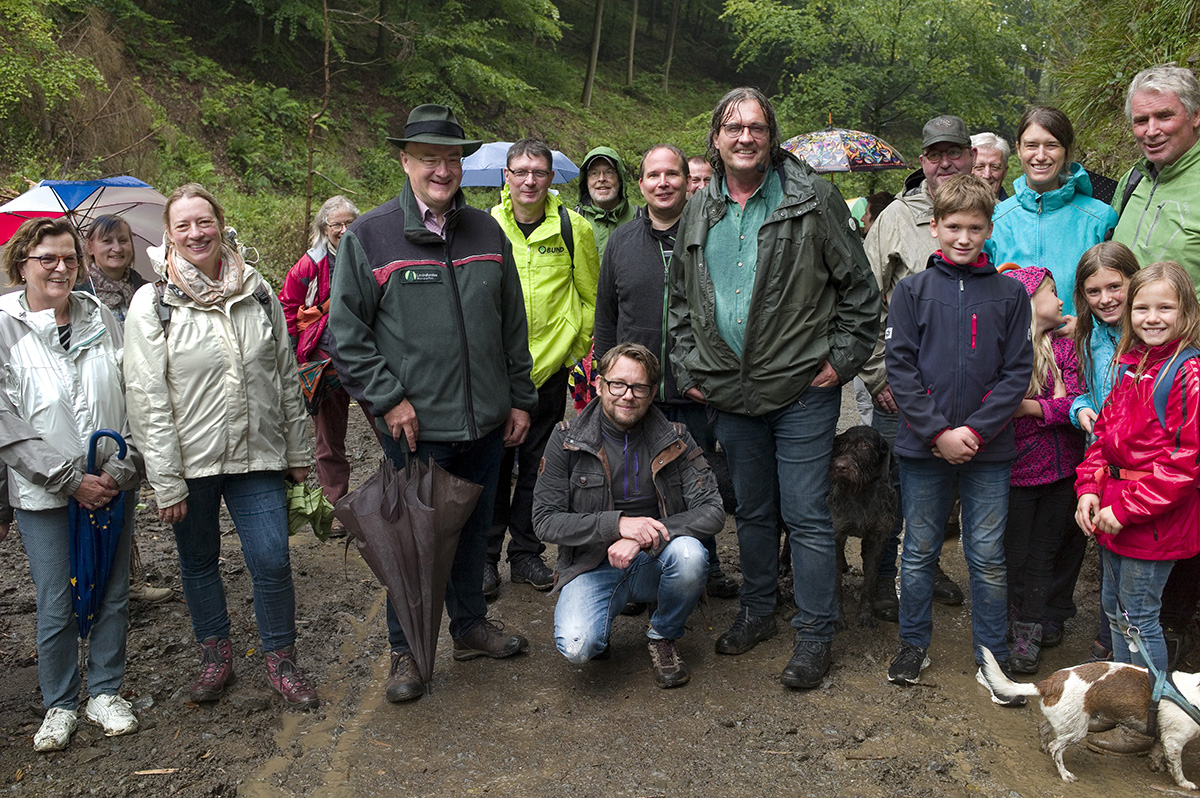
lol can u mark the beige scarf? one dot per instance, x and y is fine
(185, 276)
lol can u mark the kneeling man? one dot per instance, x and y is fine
(626, 495)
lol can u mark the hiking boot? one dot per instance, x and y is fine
(1120, 742)
(288, 680)
(1052, 633)
(488, 640)
(669, 668)
(1026, 652)
(403, 683)
(721, 586)
(808, 665)
(633, 609)
(907, 665)
(491, 580)
(57, 728)
(1018, 701)
(140, 591)
(945, 590)
(216, 670)
(747, 632)
(532, 571)
(886, 605)
(112, 712)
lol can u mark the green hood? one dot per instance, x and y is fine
(585, 199)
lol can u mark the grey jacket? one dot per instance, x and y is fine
(573, 503)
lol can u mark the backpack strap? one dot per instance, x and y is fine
(1161, 391)
(567, 232)
(164, 310)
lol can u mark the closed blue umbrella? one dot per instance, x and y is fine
(94, 538)
(485, 167)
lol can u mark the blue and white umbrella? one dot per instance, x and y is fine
(485, 167)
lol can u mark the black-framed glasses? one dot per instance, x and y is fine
(640, 390)
(937, 156)
(521, 174)
(50, 262)
(734, 130)
(336, 226)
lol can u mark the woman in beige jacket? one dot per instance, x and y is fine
(215, 404)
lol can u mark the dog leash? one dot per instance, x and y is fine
(1161, 684)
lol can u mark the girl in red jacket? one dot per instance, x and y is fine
(1139, 483)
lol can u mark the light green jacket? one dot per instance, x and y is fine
(1161, 221)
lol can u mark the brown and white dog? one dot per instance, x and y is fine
(1104, 691)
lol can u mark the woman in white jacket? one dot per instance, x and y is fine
(215, 405)
(60, 367)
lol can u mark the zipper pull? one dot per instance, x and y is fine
(974, 329)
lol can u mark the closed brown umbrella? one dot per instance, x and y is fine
(406, 526)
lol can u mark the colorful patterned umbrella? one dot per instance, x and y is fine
(837, 149)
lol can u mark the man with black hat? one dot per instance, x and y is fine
(899, 244)
(428, 315)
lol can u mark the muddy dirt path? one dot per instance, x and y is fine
(535, 725)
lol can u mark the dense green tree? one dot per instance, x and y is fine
(34, 66)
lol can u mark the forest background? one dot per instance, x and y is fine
(270, 101)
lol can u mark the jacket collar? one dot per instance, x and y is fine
(550, 225)
(981, 265)
(1153, 355)
(87, 322)
(414, 226)
(1075, 180)
(585, 431)
(796, 178)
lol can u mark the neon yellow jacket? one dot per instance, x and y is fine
(560, 299)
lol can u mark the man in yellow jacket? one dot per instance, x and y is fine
(555, 252)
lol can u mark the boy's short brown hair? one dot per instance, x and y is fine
(963, 193)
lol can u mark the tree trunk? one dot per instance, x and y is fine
(650, 17)
(312, 130)
(383, 36)
(590, 79)
(671, 43)
(632, 43)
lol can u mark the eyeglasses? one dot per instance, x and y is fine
(937, 156)
(521, 174)
(640, 391)
(336, 226)
(50, 262)
(734, 130)
(432, 161)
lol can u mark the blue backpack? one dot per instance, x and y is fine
(1164, 381)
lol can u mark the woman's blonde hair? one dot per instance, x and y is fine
(1187, 324)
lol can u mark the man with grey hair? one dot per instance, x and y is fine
(991, 161)
(773, 309)
(1160, 218)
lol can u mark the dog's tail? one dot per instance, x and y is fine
(1001, 686)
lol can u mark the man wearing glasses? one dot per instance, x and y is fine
(427, 313)
(773, 309)
(898, 245)
(556, 258)
(627, 496)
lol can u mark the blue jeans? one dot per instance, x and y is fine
(1139, 584)
(257, 504)
(695, 417)
(589, 602)
(44, 534)
(784, 456)
(479, 462)
(927, 488)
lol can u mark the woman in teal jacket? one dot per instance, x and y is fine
(1052, 218)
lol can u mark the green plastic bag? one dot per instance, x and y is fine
(307, 505)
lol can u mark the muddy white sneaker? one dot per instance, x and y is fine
(112, 712)
(140, 591)
(56, 730)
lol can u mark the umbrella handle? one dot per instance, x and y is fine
(96, 436)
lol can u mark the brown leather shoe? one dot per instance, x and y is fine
(1120, 742)
(488, 640)
(669, 668)
(403, 683)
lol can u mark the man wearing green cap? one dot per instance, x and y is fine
(428, 316)
(602, 199)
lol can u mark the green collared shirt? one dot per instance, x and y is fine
(731, 251)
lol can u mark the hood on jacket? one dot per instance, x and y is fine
(585, 199)
(1031, 277)
(1075, 180)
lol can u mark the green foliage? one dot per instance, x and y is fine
(884, 66)
(264, 129)
(34, 66)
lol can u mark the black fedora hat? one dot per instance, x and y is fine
(434, 124)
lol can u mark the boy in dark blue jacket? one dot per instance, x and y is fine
(959, 357)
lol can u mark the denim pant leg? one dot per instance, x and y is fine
(198, 541)
(983, 490)
(1139, 585)
(927, 494)
(804, 433)
(675, 579)
(479, 462)
(885, 424)
(750, 450)
(257, 503)
(585, 610)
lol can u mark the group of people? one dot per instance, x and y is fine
(732, 308)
